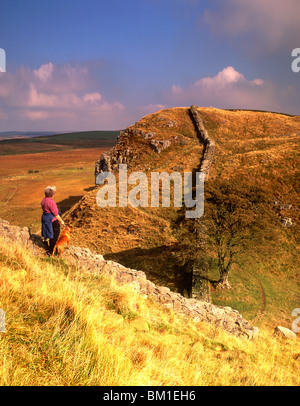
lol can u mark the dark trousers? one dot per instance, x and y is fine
(56, 231)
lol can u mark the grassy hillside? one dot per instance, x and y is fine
(257, 155)
(67, 327)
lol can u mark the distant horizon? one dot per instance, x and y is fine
(57, 132)
(23, 135)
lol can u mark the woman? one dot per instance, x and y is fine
(51, 219)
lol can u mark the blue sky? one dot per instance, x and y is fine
(85, 65)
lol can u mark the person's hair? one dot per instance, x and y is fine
(49, 191)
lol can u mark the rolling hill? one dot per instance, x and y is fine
(256, 158)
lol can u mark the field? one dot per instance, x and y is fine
(23, 178)
(58, 142)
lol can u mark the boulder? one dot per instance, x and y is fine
(284, 332)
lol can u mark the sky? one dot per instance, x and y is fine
(74, 65)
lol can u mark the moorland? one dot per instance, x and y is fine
(254, 174)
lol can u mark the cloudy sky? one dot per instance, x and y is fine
(90, 64)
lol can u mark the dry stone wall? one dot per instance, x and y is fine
(196, 310)
(209, 144)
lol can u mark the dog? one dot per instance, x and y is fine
(64, 238)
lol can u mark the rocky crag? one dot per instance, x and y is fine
(122, 152)
(197, 311)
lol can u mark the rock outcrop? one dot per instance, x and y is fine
(159, 145)
(284, 332)
(196, 310)
(122, 152)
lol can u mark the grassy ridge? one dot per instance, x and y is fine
(256, 151)
(67, 327)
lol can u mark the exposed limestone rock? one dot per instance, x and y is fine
(145, 135)
(171, 123)
(159, 145)
(14, 233)
(120, 154)
(282, 206)
(284, 332)
(181, 140)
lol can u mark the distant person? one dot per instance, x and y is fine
(51, 219)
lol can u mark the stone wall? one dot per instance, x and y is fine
(209, 144)
(196, 310)
(200, 286)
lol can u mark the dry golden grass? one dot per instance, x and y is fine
(68, 327)
(65, 327)
(252, 148)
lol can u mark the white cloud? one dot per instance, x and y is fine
(44, 72)
(231, 89)
(56, 98)
(224, 78)
(92, 97)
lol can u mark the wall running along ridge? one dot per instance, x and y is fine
(196, 310)
(121, 153)
(200, 285)
(209, 144)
